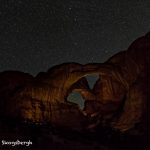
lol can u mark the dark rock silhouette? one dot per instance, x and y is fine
(122, 93)
(10, 83)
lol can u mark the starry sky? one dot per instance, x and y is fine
(38, 34)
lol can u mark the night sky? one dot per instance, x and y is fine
(37, 34)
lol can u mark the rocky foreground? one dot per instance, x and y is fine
(48, 137)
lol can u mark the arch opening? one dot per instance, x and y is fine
(92, 79)
(76, 97)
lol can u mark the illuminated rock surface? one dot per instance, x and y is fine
(119, 99)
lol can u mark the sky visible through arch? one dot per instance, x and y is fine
(76, 97)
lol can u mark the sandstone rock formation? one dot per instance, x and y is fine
(119, 98)
(44, 98)
(10, 83)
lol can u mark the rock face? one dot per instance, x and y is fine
(10, 83)
(122, 95)
(44, 98)
(118, 99)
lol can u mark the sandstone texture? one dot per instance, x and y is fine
(119, 98)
